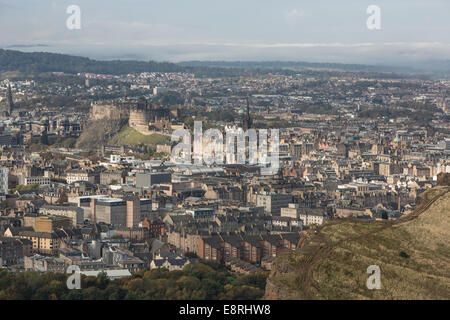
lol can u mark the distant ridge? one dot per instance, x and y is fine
(32, 63)
(38, 62)
(298, 65)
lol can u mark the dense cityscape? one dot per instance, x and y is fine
(195, 151)
(88, 180)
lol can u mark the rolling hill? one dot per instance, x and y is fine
(14, 62)
(39, 62)
(413, 254)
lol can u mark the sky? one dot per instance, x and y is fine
(180, 30)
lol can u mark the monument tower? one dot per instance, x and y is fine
(247, 123)
(10, 103)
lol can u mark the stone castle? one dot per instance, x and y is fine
(142, 116)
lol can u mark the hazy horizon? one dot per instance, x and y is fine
(323, 31)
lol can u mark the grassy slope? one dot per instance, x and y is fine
(332, 264)
(129, 136)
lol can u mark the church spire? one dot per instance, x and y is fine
(247, 119)
(10, 102)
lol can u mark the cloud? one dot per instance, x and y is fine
(386, 53)
(366, 53)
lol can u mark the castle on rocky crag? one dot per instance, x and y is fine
(142, 116)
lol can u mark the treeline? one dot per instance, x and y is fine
(37, 63)
(40, 62)
(196, 281)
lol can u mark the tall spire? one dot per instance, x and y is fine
(248, 108)
(247, 120)
(10, 103)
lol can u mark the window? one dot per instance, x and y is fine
(254, 253)
(227, 249)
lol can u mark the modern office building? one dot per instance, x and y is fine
(126, 212)
(273, 202)
(145, 180)
(110, 211)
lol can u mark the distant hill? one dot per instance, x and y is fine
(16, 63)
(422, 69)
(412, 252)
(31, 63)
(296, 65)
(38, 62)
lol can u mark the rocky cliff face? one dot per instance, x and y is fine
(98, 132)
(412, 253)
(275, 289)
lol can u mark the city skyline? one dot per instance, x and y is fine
(222, 151)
